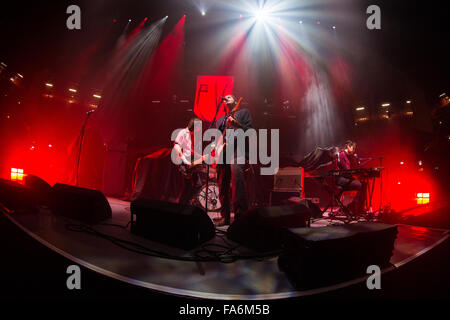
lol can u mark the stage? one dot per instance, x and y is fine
(242, 279)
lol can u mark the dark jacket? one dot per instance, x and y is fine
(244, 118)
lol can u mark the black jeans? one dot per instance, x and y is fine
(234, 173)
(349, 184)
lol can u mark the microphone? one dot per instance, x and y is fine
(358, 160)
(89, 112)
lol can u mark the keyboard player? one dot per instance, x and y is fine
(348, 160)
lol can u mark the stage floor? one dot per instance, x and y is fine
(241, 279)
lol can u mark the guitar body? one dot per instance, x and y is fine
(188, 171)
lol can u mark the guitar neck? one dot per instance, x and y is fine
(232, 114)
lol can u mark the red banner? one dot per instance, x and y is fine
(208, 93)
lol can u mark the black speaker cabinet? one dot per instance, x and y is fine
(41, 189)
(260, 228)
(86, 205)
(315, 257)
(178, 225)
(17, 197)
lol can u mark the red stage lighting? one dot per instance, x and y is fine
(423, 198)
(16, 174)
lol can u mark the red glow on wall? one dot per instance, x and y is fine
(164, 68)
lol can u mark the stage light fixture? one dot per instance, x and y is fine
(301, 22)
(49, 85)
(408, 101)
(17, 174)
(401, 162)
(261, 15)
(423, 198)
(203, 12)
(360, 108)
(97, 96)
(385, 104)
(334, 27)
(420, 162)
(20, 75)
(72, 90)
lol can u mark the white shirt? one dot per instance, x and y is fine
(183, 139)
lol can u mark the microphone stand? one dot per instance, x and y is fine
(81, 136)
(207, 165)
(381, 186)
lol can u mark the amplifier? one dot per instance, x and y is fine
(289, 179)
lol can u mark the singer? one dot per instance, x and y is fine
(348, 160)
(233, 173)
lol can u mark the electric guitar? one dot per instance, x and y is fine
(188, 171)
(217, 151)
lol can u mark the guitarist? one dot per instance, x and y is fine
(184, 147)
(233, 173)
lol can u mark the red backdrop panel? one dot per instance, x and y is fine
(209, 90)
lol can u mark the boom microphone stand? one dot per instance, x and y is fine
(207, 166)
(80, 137)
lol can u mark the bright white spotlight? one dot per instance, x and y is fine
(203, 12)
(261, 15)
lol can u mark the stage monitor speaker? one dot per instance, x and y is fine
(41, 189)
(316, 257)
(315, 210)
(260, 228)
(86, 205)
(16, 197)
(178, 225)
